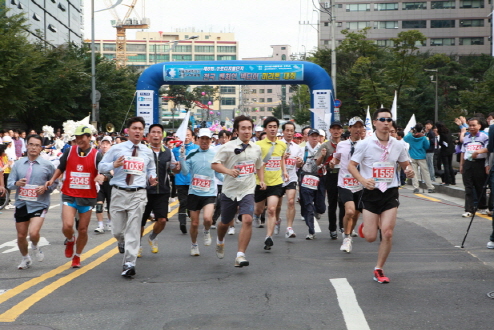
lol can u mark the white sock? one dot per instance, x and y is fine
(100, 224)
(206, 232)
(240, 254)
(34, 247)
(26, 257)
(218, 241)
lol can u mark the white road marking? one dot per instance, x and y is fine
(317, 229)
(352, 313)
(56, 205)
(13, 244)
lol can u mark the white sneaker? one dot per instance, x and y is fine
(277, 227)
(9, 207)
(207, 238)
(490, 245)
(108, 226)
(310, 236)
(220, 250)
(231, 230)
(483, 211)
(467, 215)
(290, 233)
(40, 256)
(25, 263)
(354, 234)
(302, 218)
(257, 222)
(212, 227)
(194, 250)
(99, 230)
(347, 245)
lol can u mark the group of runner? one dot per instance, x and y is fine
(253, 178)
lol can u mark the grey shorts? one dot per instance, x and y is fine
(229, 207)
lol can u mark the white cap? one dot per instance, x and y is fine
(355, 120)
(321, 132)
(7, 139)
(258, 129)
(107, 138)
(204, 132)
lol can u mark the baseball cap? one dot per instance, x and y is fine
(7, 139)
(313, 131)
(355, 120)
(321, 132)
(259, 129)
(81, 130)
(204, 132)
(297, 135)
(107, 138)
(335, 123)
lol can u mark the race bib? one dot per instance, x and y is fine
(290, 163)
(201, 182)
(310, 181)
(133, 165)
(383, 172)
(274, 164)
(474, 146)
(246, 169)
(79, 180)
(349, 182)
(28, 193)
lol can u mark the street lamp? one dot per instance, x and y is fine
(436, 108)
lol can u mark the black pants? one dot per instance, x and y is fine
(449, 174)
(182, 193)
(474, 177)
(217, 206)
(331, 180)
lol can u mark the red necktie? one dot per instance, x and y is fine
(130, 177)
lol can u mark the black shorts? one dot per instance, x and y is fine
(290, 186)
(196, 203)
(260, 195)
(377, 202)
(229, 207)
(21, 214)
(157, 203)
(346, 195)
(104, 193)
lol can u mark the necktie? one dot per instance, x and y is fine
(384, 156)
(29, 171)
(270, 152)
(130, 177)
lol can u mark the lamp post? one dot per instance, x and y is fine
(436, 107)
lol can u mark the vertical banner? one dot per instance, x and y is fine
(322, 107)
(368, 123)
(145, 107)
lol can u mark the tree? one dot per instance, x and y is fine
(301, 102)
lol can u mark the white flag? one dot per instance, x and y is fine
(411, 123)
(368, 123)
(394, 107)
(182, 130)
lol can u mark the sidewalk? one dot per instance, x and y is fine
(457, 190)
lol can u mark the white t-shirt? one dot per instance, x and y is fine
(291, 163)
(368, 153)
(342, 153)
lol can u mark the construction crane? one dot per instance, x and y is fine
(122, 25)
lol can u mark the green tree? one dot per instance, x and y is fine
(301, 103)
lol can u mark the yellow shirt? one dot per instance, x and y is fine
(5, 161)
(272, 171)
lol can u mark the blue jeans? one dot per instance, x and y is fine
(312, 201)
(430, 164)
(492, 196)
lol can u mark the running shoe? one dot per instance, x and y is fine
(108, 226)
(416, 191)
(194, 250)
(183, 228)
(333, 234)
(212, 227)
(290, 233)
(40, 256)
(361, 230)
(317, 216)
(490, 245)
(268, 243)
(99, 230)
(277, 227)
(231, 230)
(128, 270)
(220, 250)
(379, 276)
(121, 247)
(241, 262)
(69, 248)
(347, 245)
(207, 238)
(354, 234)
(431, 191)
(76, 262)
(139, 254)
(483, 211)
(467, 215)
(302, 218)
(257, 223)
(342, 231)
(153, 243)
(310, 237)
(25, 263)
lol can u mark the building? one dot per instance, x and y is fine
(258, 101)
(54, 22)
(451, 26)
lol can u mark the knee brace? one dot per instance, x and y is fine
(99, 208)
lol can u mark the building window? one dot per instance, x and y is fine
(204, 57)
(471, 22)
(414, 5)
(261, 100)
(253, 91)
(157, 58)
(159, 48)
(326, 23)
(136, 48)
(442, 41)
(183, 49)
(254, 117)
(204, 49)
(358, 7)
(52, 28)
(207, 37)
(269, 91)
(109, 47)
(386, 6)
(413, 24)
(283, 57)
(471, 41)
(182, 57)
(226, 57)
(386, 25)
(443, 23)
(443, 4)
(137, 58)
(385, 43)
(270, 109)
(227, 89)
(227, 49)
(261, 91)
(270, 99)
(357, 25)
(471, 3)
(228, 101)
(254, 99)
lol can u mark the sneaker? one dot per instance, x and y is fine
(40, 256)
(231, 231)
(154, 245)
(489, 212)
(212, 227)
(238, 219)
(241, 262)
(354, 234)
(99, 230)
(139, 253)
(483, 211)
(257, 223)
(361, 230)
(490, 245)
(416, 191)
(25, 263)
(317, 216)
(467, 215)
(128, 270)
(76, 262)
(194, 250)
(347, 245)
(277, 227)
(268, 243)
(207, 237)
(302, 218)
(108, 226)
(310, 236)
(69, 248)
(333, 234)
(379, 276)
(220, 250)
(290, 233)
(183, 228)
(431, 191)
(342, 231)
(121, 247)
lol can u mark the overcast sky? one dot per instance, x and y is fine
(257, 24)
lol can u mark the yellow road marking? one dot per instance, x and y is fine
(12, 314)
(427, 197)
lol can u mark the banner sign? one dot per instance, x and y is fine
(145, 106)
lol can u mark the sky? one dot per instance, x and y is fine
(257, 24)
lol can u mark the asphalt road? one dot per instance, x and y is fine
(299, 284)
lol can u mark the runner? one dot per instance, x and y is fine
(349, 189)
(293, 161)
(79, 166)
(202, 191)
(223, 137)
(274, 171)
(377, 156)
(133, 166)
(104, 192)
(238, 159)
(32, 198)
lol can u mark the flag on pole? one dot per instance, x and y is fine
(394, 107)
(182, 130)
(368, 123)
(411, 123)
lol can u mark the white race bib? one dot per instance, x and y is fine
(133, 165)
(79, 180)
(310, 181)
(201, 182)
(274, 164)
(246, 169)
(474, 146)
(28, 193)
(290, 163)
(350, 183)
(383, 172)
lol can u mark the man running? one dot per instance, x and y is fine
(133, 166)
(202, 191)
(238, 159)
(377, 156)
(104, 193)
(32, 198)
(79, 164)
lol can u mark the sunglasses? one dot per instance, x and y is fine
(382, 119)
